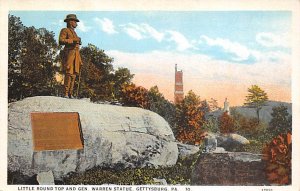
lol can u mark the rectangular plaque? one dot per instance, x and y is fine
(56, 131)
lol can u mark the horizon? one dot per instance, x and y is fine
(220, 54)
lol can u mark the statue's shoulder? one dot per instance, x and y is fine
(64, 30)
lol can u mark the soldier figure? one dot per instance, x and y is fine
(71, 58)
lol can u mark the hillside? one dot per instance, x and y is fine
(265, 112)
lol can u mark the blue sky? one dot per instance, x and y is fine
(247, 42)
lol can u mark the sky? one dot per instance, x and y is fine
(221, 53)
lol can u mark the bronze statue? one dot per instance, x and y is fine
(71, 58)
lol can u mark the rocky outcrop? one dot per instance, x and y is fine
(229, 168)
(226, 141)
(229, 141)
(187, 150)
(113, 136)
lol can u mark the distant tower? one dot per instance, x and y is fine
(226, 106)
(178, 93)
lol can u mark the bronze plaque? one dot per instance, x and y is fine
(56, 131)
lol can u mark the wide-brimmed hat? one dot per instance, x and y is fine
(71, 17)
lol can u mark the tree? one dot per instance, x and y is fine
(31, 64)
(162, 106)
(135, 96)
(213, 104)
(96, 75)
(256, 98)
(226, 123)
(38, 58)
(15, 45)
(281, 121)
(189, 119)
(121, 77)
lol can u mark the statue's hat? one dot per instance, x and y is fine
(71, 17)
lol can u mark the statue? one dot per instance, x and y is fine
(226, 106)
(71, 58)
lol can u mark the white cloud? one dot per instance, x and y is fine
(180, 40)
(153, 32)
(268, 39)
(241, 51)
(106, 25)
(142, 31)
(134, 33)
(82, 27)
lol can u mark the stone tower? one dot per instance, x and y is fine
(178, 93)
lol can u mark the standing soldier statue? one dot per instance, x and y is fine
(71, 58)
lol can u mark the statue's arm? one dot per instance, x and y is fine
(63, 37)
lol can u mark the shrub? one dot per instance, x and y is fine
(277, 155)
(226, 123)
(177, 174)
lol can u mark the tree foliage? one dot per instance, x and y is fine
(256, 98)
(135, 96)
(162, 106)
(226, 123)
(32, 61)
(277, 155)
(189, 119)
(281, 121)
(96, 74)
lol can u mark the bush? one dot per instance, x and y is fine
(211, 125)
(278, 154)
(226, 123)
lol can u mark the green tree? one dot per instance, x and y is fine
(96, 74)
(122, 76)
(162, 106)
(281, 121)
(15, 45)
(38, 57)
(256, 98)
(32, 61)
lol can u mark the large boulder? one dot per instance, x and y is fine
(230, 141)
(113, 136)
(227, 141)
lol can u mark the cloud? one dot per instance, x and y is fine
(142, 31)
(273, 40)
(106, 25)
(180, 40)
(153, 32)
(82, 27)
(241, 52)
(134, 33)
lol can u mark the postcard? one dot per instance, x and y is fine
(150, 96)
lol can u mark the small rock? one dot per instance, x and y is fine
(210, 142)
(160, 181)
(186, 150)
(219, 150)
(45, 178)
